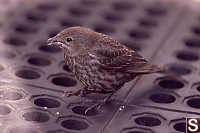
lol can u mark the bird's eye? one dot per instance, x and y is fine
(69, 39)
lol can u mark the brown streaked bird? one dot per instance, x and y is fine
(101, 63)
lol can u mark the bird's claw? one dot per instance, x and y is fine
(96, 106)
(69, 93)
(76, 93)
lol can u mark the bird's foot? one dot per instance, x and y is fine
(96, 106)
(99, 104)
(69, 93)
(80, 92)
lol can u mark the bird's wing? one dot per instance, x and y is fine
(124, 60)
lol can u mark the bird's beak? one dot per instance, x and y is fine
(49, 41)
(55, 41)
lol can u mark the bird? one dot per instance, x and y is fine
(101, 63)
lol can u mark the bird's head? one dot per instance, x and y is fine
(74, 40)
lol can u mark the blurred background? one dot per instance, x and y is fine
(33, 76)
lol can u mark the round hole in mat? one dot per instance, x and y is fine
(81, 111)
(171, 84)
(39, 61)
(105, 29)
(69, 23)
(15, 41)
(10, 95)
(123, 6)
(74, 124)
(196, 30)
(4, 110)
(193, 42)
(79, 11)
(47, 102)
(148, 23)
(24, 29)
(27, 74)
(181, 127)
(194, 103)
(23, 130)
(180, 69)
(63, 81)
(35, 17)
(148, 121)
(66, 68)
(47, 7)
(139, 34)
(36, 116)
(156, 11)
(133, 45)
(113, 17)
(162, 98)
(187, 56)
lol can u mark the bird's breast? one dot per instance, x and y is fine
(70, 62)
(91, 73)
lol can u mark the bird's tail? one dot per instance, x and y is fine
(149, 68)
(167, 72)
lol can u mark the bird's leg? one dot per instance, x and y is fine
(98, 105)
(81, 92)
